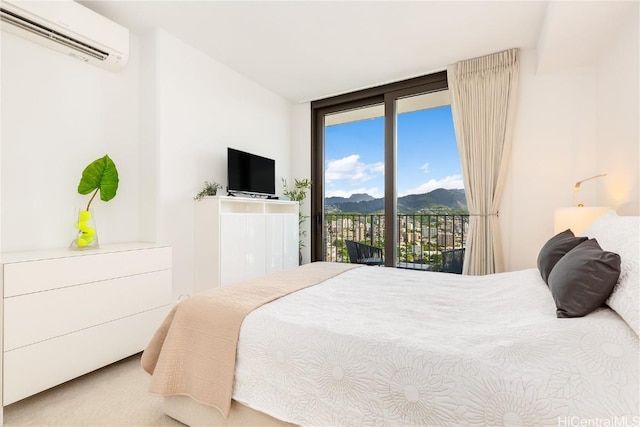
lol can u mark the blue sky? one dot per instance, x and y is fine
(427, 155)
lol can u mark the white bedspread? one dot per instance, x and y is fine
(382, 346)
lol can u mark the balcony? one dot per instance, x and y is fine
(430, 242)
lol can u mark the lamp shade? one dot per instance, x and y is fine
(576, 219)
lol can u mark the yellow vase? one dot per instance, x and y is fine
(85, 233)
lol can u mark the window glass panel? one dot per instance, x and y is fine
(431, 203)
(354, 183)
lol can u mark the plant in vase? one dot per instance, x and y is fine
(209, 189)
(297, 194)
(101, 176)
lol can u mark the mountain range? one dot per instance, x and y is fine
(436, 200)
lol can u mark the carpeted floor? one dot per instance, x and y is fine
(116, 395)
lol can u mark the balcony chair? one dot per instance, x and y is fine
(452, 261)
(361, 253)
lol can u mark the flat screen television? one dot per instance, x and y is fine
(249, 173)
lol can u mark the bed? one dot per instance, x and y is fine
(384, 346)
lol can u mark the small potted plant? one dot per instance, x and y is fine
(297, 194)
(210, 189)
(101, 176)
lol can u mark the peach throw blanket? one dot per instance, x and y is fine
(194, 350)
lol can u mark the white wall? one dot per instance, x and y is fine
(553, 147)
(301, 164)
(571, 125)
(618, 136)
(148, 164)
(58, 115)
(203, 107)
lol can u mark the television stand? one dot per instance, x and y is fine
(240, 238)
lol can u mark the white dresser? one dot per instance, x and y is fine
(67, 313)
(239, 238)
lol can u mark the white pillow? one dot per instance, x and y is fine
(621, 234)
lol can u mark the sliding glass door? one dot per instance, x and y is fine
(377, 155)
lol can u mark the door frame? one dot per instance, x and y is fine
(387, 95)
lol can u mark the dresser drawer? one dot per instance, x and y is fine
(32, 369)
(41, 316)
(46, 274)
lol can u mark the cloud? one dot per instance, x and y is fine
(425, 168)
(450, 182)
(377, 168)
(351, 169)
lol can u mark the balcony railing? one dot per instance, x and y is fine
(422, 238)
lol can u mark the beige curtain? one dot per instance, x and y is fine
(483, 96)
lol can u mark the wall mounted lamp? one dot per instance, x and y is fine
(577, 218)
(576, 188)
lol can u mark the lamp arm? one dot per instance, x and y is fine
(576, 188)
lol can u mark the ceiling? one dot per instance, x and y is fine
(306, 50)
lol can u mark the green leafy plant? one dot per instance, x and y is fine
(210, 189)
(100, 176)
(298, 193)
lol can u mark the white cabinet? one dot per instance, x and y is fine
(240, 238)
(242, 241)
(66, 313)
(279, 229)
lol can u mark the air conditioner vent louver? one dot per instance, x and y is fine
(68, 27)
(48, 33)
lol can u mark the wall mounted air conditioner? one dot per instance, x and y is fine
(70, 28)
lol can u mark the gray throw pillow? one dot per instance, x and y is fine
(555, 248)
(583, 279)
